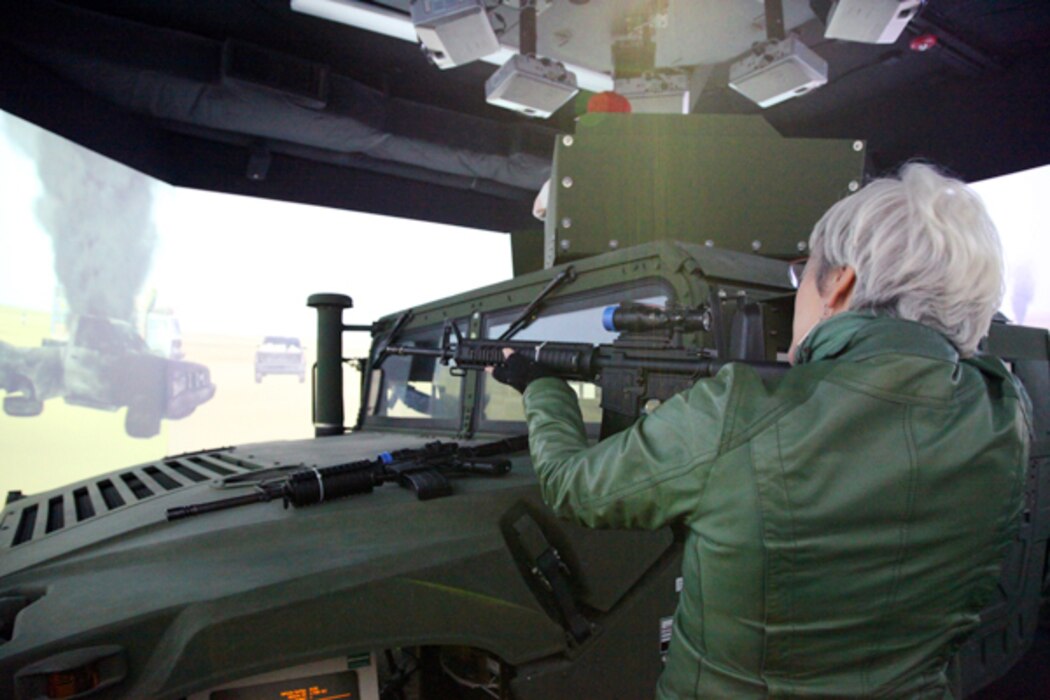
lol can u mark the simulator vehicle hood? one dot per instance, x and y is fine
(263, 585)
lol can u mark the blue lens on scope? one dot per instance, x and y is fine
(608, 323)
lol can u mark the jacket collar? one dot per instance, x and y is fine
(859, 335)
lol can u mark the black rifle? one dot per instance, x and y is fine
(425, 470)
(647, 361)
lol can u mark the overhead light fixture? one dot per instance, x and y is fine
(870, 21)
(534, 86)
(777, 71)
(454, 32)
(528, 83)
(375, 18)
(664, 92)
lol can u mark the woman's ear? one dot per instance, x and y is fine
(838, 289)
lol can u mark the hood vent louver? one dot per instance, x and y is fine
(56, 517)
(26, 525)
(52, 512)
(211, 465)
(82, 502)
(165, 481)
(135, 484)
(110, 495)
(186, 471)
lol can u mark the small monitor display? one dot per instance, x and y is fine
(330, 686)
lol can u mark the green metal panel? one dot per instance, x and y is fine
(526, 251)
(729, 182)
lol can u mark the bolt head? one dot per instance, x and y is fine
(858, 145)
(566, 182)
(801, 245)
(614, 244)
(564, 244)
(567, 140)
(854, 185)
(566, 222)
(756, 245)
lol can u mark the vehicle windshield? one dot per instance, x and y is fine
(417, 388)
(422, 389)
(579, 322)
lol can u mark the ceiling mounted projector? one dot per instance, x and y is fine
(656, 94)
(870, 21)
(530, 85)
(454, 32)
(664, 92)
(778, 71)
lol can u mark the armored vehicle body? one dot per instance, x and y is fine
(475, 587)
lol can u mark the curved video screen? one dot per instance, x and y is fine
(140, 320)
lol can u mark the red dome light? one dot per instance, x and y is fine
(923, 42)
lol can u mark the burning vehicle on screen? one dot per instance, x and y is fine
(279, 355)
(105, 364)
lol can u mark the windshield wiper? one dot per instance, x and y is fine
(529, 314)
(381, 346)
(522, 321)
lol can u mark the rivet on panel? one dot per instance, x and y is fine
(756, 245)
(566, 222)
(858, 145)
(801, 245)
(566, 182)
(854, 185)
(709, 243)
(614, 244)
(564, 243)
(567, 140)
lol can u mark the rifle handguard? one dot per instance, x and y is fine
(313, 486)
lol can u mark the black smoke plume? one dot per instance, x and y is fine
(99, 216)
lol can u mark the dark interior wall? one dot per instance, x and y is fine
(53, 92)
(977, 127)
(978, 124)
(35, 94)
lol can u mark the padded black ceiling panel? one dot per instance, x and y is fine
(142, 82)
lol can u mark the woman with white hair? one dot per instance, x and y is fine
(920, 248)
(845, 526)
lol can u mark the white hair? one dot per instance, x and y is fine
(923, 248)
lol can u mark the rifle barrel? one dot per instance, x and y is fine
(181, 512)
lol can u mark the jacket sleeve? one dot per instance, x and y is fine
(646, 476)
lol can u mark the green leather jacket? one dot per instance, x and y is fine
(844, 527)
